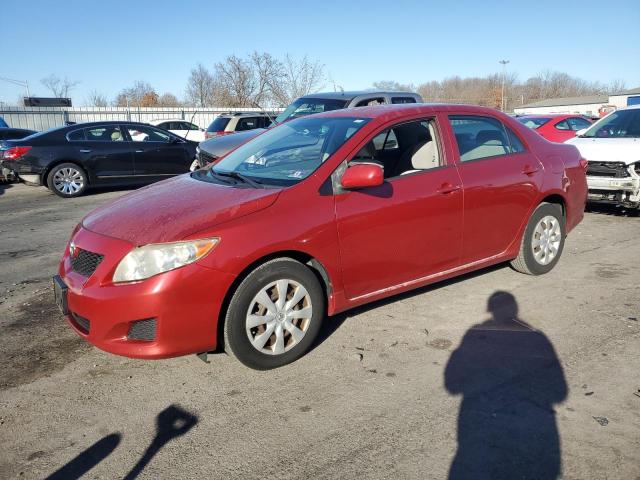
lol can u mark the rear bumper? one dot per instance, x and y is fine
(183, 305)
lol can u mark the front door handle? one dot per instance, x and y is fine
(529, 170)
(85, 150)
(139, 151)
(447, 188)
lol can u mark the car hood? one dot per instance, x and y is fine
(174, 209)
(625, 150)
(223, 144)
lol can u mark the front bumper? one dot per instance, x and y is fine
(623, 191)
(184, 303)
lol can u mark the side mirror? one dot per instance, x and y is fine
(362, 175)
(579, 133)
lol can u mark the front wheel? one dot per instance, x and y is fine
(67, 180)
(274, 315)
(542, 242)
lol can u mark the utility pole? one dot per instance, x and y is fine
(504, 65)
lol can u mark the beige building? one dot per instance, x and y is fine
(591, 105)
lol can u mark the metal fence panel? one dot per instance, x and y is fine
(44, 118)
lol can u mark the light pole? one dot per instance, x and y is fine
(20, 83)
(504, 65)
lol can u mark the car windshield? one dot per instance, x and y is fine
(308, 106)
(533, 122)
(286, 154)
(620, 124)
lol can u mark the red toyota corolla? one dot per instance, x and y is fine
(311, 218)
(555, 128)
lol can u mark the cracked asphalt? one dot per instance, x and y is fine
(492, 375)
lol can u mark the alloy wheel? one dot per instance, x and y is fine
(68, 180)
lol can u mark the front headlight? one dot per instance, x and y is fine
(149, 260)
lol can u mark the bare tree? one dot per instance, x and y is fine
(393, 86)
(201, 87)
(96, 99)
(168, 100)
(237, 81)
(60, 88)
(300, 77)
(141, 94)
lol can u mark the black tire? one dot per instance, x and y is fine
(236, 337)
(81, 178)
(526, 261)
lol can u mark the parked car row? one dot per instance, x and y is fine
(212, 149)
(69, 159)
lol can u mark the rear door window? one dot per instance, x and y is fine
(106, 133)
(563, 125)
(482, 137)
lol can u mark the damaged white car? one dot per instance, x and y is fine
(612, 148)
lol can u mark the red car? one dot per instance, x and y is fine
(555, 128)
(311, 218)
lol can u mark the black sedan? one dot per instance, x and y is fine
(8, 133)
(70, 159)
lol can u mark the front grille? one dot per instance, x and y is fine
(85, 262)
(81, 322)
(204, 158)
(608, 169)
(143, 330)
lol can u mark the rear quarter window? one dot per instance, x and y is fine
(398, 100)
(219, 124)
(76, 135)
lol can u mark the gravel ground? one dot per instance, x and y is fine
(492, 375)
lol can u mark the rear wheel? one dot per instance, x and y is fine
(67, 180)
(542, 242)
(274, 315)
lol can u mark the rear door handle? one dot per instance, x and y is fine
(447, 188)
(529, 170)
(139, 151)
(85, 150)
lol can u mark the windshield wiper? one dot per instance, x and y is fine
(238, 176)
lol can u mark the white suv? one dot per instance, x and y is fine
(612, 148)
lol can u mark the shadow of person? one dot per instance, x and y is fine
(509, 377)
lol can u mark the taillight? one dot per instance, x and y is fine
(584, 163)
(15, 153)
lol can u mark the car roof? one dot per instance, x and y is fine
(350, 95)
(389, 112)
(551, 115)
(243, 114)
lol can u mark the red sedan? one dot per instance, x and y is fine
(555, 128)
(311, 218)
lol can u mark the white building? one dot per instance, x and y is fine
(595, 105)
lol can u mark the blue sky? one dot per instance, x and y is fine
(106, 46)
